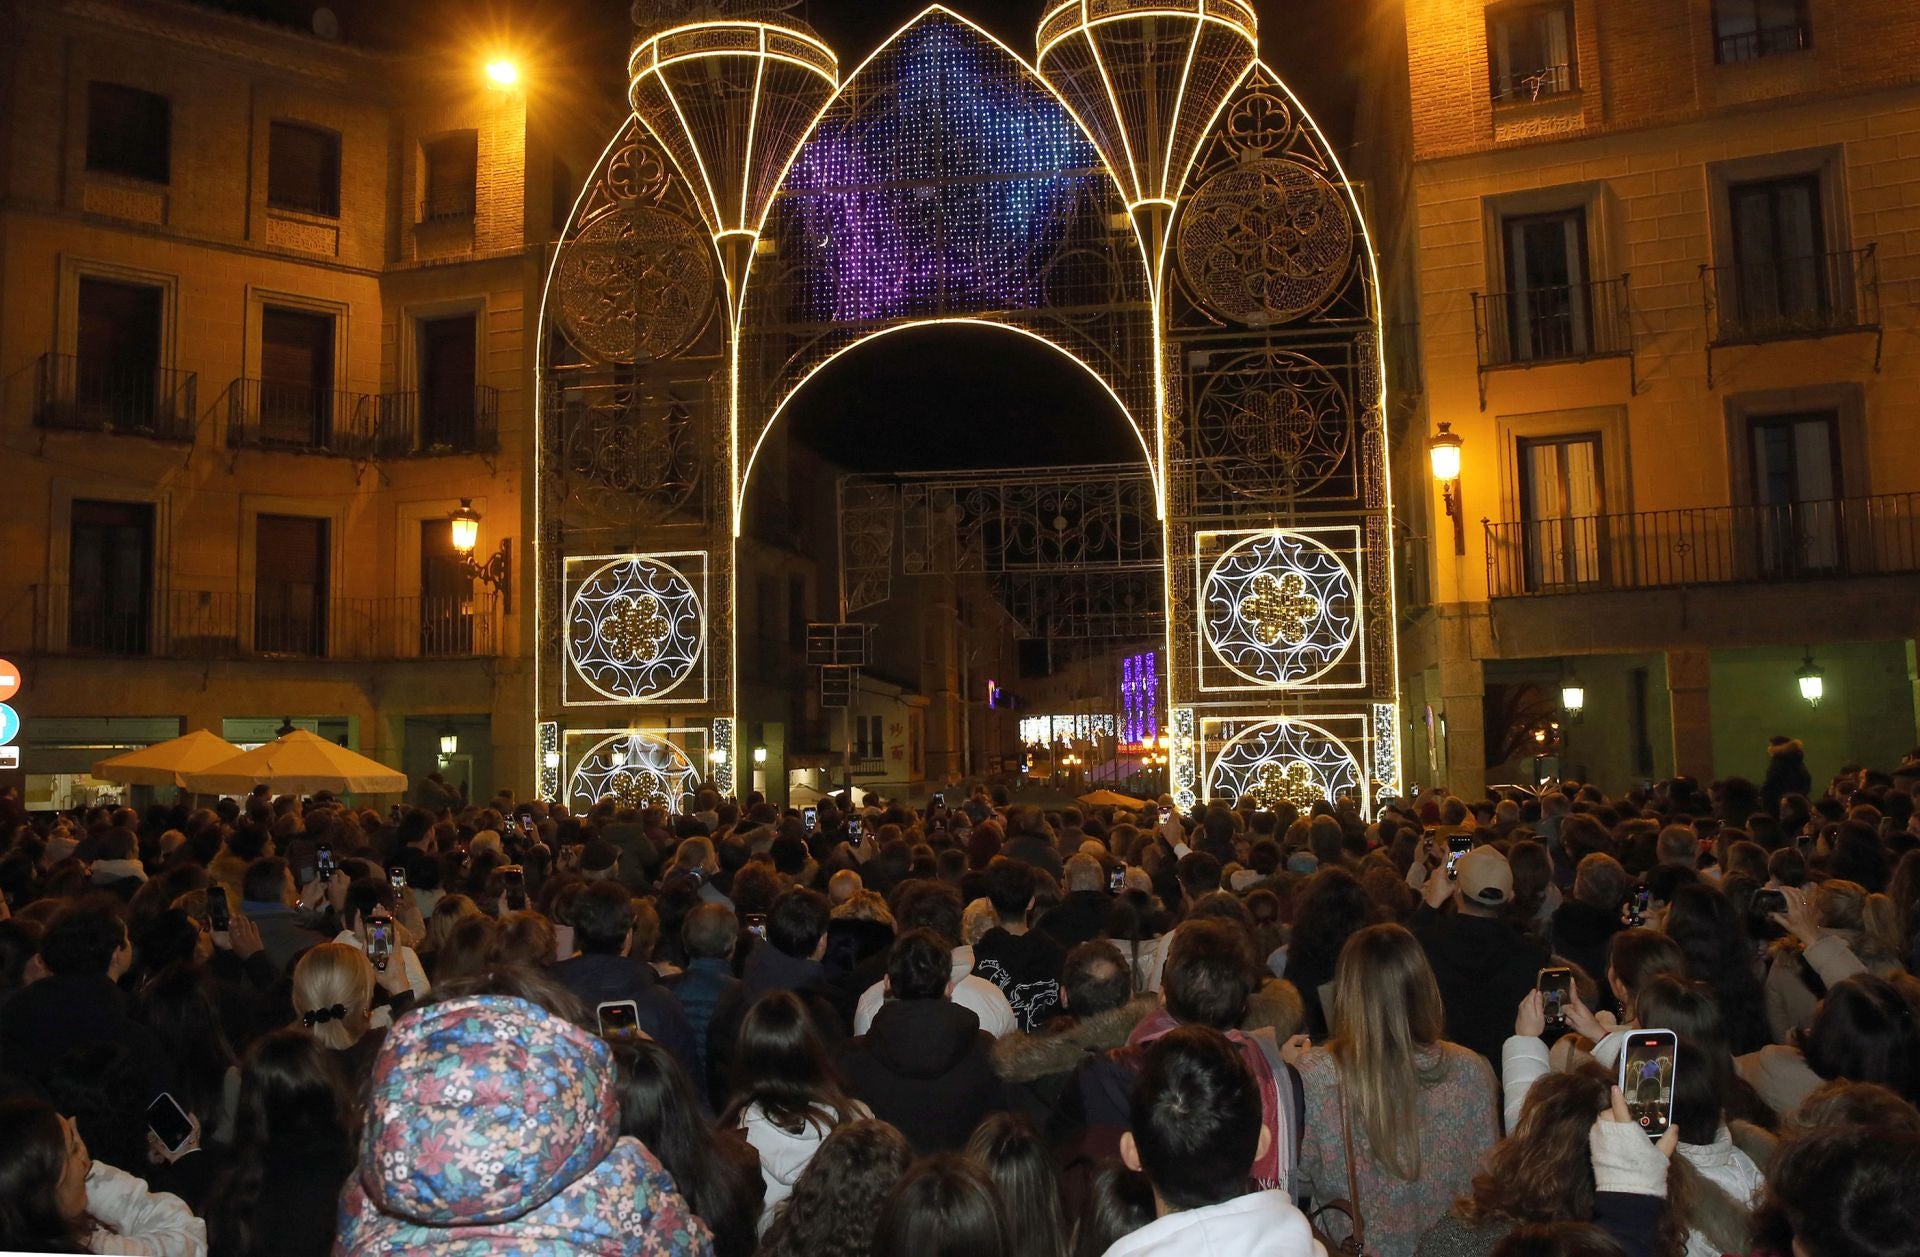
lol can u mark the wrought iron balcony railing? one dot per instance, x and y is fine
(1563, 323)
(80, 394)
(1794, 298)
(426, 423)
(452, 206)
(195, 624)
(1720, 545)
(264, 414)
(1540, 84)
(1764, 41)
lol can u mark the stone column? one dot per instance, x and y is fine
(1692, 706)
(1463, 695)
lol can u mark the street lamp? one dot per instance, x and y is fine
(1443, 450)
(497, 571)
(449, 743)
(286, 727)
(1813, 682)
(760, 755)
(1573, 696)
(503, 73)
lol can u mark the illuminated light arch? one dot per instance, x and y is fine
(1286, 760)
(637, 767)
(1146, 451)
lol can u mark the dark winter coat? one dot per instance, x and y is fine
(927, 1067)
(1484, 968)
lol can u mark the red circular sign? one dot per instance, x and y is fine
(9, 680)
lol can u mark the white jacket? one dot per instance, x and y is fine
(1260, 1224)
(986, 1000)
(783, 1154)
(1729, 1169)
(135, 1220)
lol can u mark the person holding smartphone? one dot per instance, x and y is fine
(368, 920)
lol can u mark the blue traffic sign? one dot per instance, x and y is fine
(9, 724)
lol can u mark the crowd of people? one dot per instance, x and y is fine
(1673, 1022)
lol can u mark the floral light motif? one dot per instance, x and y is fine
(635, 628)
(1280, 610)
(636, 769)
(1292, 783)
(639, 789)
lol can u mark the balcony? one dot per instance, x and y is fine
(76, 394)
(454, 205)
(206, 625)
(1804, 298)
(265, 415)
(427, 424)
(1763, 41)
(1721, 545)
(1538, 327)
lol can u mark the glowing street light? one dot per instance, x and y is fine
(503, 73)
(1813, 681)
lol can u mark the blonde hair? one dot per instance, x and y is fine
(1386, 1013)
(695, 852)
(445, 918)
(978, 918)
(523, 938)
(863, 905)
(334, 974)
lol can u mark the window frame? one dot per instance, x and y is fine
(327, 207)
(436, 205)
(1517, 11)
(1802, 25)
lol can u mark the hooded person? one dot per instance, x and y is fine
(1786, 774)
(493, 1126)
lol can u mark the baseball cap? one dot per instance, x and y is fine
(1485, 877)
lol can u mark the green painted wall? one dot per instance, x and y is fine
(1867, 716)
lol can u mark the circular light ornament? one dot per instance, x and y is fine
(634, 629)
(1280, 609)
(637, 770)
(1284, 761)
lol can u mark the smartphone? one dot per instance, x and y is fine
(1637, 906)
(757, 924)
(939, 801)
(619, 1019)
(853, 829)
(169, 1122)
(1767, 902)
(1556, 989)
(218, 914)
(1117, 880)
(810, 817)
(1647, 1066)
(323, 862)
(1457, 846)
(397, 877)
(380, 941)
(515, 879)
(510, 825)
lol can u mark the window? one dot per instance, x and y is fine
(110, 577)
(1796, 490)
(129, 132)
(1547, 310)
(563, 195)
(446, 593)
(448, 376)
(290, 585)
(1779, 256)
(116, 380)
(296, 377)
(1745, 30)
(869, 738)
(1530, 51)
(452, 173)
(1561, 497)
(303, 169)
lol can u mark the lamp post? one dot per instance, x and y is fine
(760, 769)
(1813, 681)
(1573, 697)
(449, 744)
(497, 571)
(1443, 451)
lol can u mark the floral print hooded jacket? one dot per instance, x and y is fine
(492, 1129)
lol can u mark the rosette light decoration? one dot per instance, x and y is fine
(1147, 78)
(731, 100)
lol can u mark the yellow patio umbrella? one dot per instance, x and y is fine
(167, 763)
(1112, 798)
(299, 763)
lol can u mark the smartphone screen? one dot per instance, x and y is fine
(757, 924)
(939, 800)
(853, 828)
(397, 877)
(1117, 880)
(619, 1019)
(1556, 988)
(218, 913)
(323, 862)
(1457, 846)
(169, 1122)
(379, 942)
(1646, 1079)
(810, 817)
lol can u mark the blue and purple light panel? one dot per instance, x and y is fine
(931, 195)
(1140, 697)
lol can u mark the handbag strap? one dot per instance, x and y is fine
(1353, 1173)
